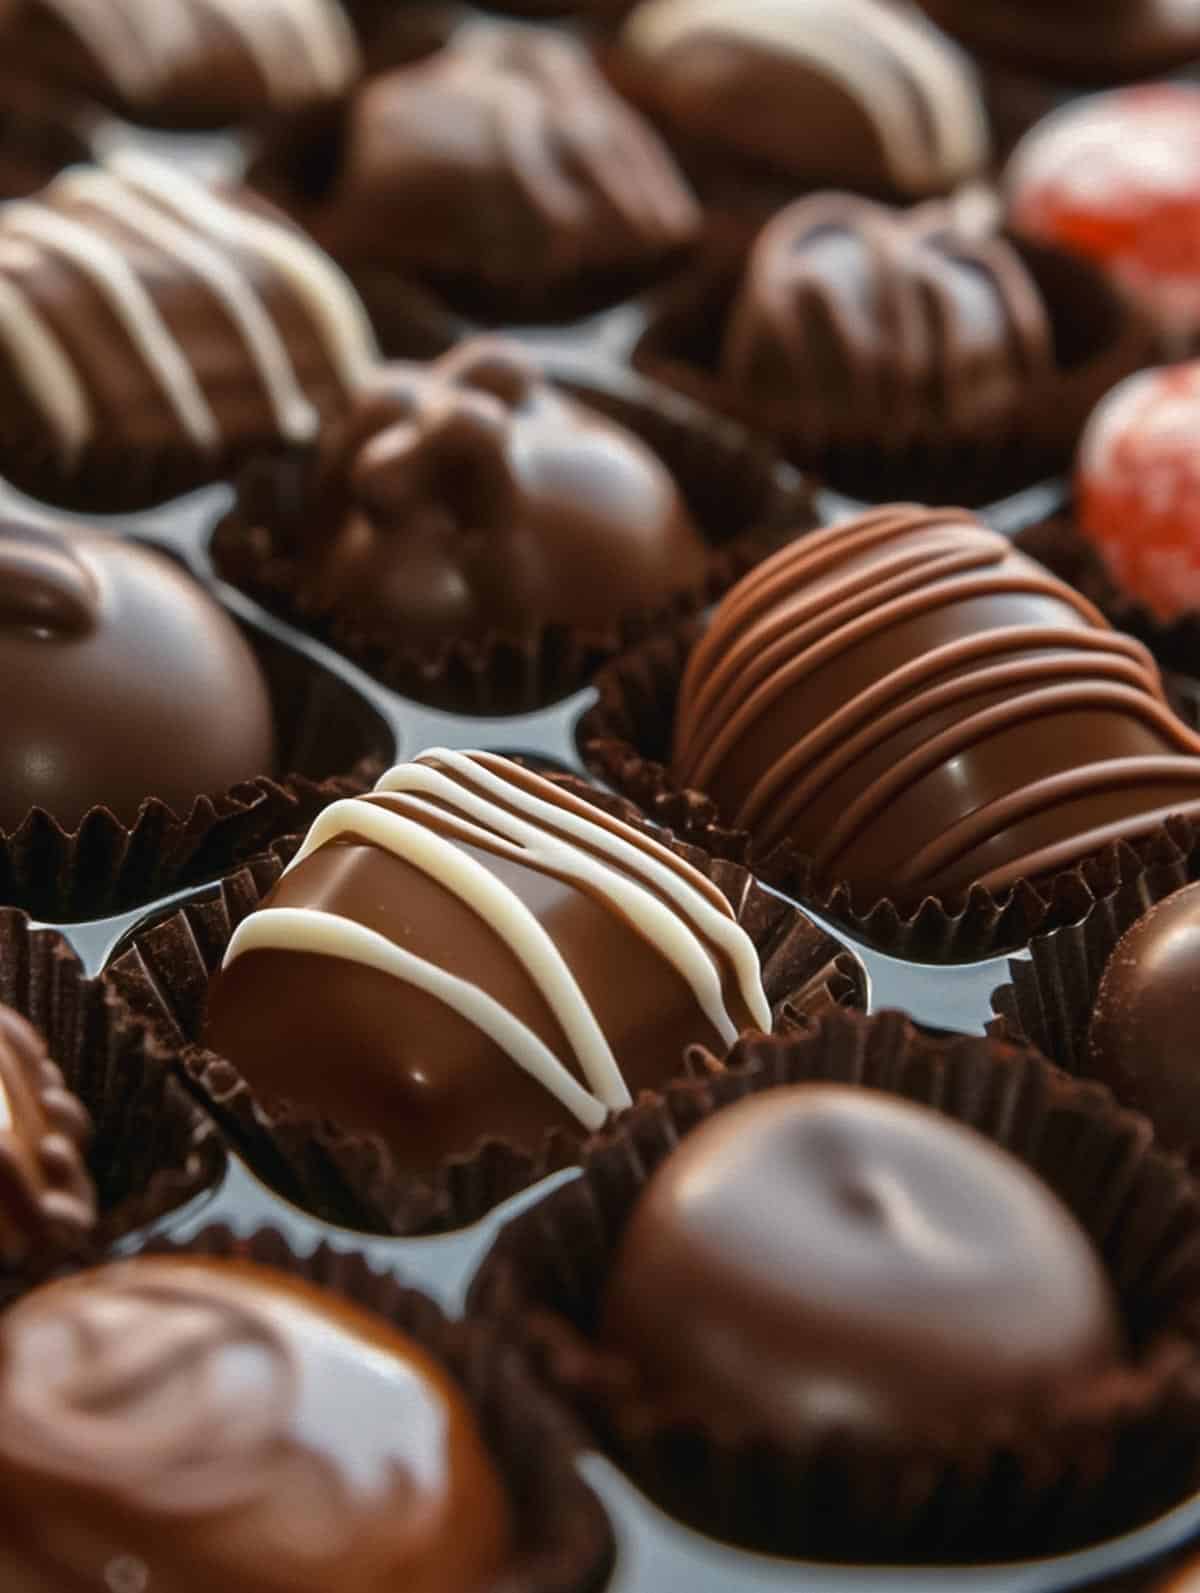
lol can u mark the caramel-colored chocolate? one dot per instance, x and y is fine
(821, 1259)
(474, 953)
(120, 680)
(211, 1423)
(46, 1194)
(920, 708)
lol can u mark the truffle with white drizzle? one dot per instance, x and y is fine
(472, 951)
(154, 333)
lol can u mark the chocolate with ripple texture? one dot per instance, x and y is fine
(473, 952)
(216, 1424)
(920, 708)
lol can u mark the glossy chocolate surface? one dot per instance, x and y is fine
(820, 1258)
(468, 497)
(223, 1425)
(921, 708)
(120, 680)
(46, 1194)
(1141, 1037)
(474, 953)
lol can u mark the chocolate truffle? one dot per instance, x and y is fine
(1141, 1039)
(218, 1424)
(819, 1258)
(473, 952)
(183, 63)
(153, 334)
(47, 1199)
(120, 680)
(809, 94)
(502, 169)
(920, 708)
(468, 498)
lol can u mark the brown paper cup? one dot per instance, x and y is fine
(564, 1543)
(1110, 1456)
(352, 1180)
(744, 498)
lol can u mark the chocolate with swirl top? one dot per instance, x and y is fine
(223, 1425)
(176, 63)
(921, 708)
(47, 1198)
(472, 952)
(152, 333)
(502, 169)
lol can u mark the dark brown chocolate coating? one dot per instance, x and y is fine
(120, 680)
(920, 708)
(217, 1424)
(1141, 1039)
(47, 1198)
(502, 164)
(820, 1258)
(1076, 41)
(469, 497)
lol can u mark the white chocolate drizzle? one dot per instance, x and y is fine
(420, 810)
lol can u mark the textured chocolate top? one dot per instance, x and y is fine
(46, 1194)
(139, 312)
(822, 1258)
(218, 1424)
(468, 497)
(830, 93)
(503, 159)
(120, 679)
(200, 62)
(473, 952)
(920, 708)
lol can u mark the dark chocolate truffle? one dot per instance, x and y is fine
(184, 63)
(153, 334)
(822, 1258)
(1142, 1037)
(468, 498)
(46, 1194)
(473, 952)
(920, 708)
(212, 1423)
(502, 169)
(852, 94)
(120, 680)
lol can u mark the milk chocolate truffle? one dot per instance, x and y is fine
(120, 680)
(502, 169)
(469, 497)
(47, 1198)
(920, 708)
(472, 952)
(820, 1258)
(183, 63)
(213, 1423)
(153, 334)
(807, 94)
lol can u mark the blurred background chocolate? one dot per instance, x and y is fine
(120, 680)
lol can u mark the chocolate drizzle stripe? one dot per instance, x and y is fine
(46, 370)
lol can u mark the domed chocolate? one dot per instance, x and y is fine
(184, 62)
(853, 94)
(208, 1423)
(820, 1258)
(469, 497)
(921, 708)
(1076, 41)
(473, 952)
(501, 164)
(152, 334)
(46, 1194)
(120, 680)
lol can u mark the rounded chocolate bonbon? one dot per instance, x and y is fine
(920, 708)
